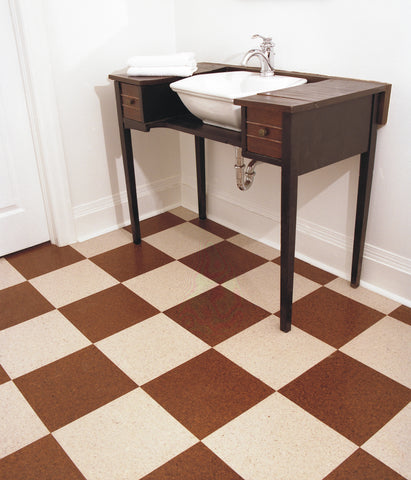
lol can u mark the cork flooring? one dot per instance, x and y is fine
(166, 361)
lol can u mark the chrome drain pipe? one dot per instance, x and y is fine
(244, 174)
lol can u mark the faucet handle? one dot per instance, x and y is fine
(267, 41)
(267, 46)
(264, 39)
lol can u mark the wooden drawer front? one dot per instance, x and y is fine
(131, 102)
(270, 148)
(133, 113)
(269, 117)
(264, 132)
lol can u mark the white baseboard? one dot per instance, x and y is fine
(384, 272)
(109, 213)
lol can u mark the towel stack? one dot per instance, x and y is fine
(178, 65)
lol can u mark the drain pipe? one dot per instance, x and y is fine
(244, 175)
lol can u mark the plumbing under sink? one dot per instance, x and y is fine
(210, 96)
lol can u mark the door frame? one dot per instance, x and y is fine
(30, 29)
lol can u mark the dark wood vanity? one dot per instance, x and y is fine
(299, 129)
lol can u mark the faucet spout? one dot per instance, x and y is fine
(264, 55)
(266, 70)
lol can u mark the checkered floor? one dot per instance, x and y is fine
(166, 361)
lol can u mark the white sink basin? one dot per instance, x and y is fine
(210, 96)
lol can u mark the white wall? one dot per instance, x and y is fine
(88, 39)
(367, 39)
(370, 39)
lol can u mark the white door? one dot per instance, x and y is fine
(23, 220)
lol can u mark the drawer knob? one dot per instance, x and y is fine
(132, 101)
(262, 132)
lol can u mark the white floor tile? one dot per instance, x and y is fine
(386, 347)
(169, 285)
(262, 286)
(362, 295)
(36, 342)
(392, 444)
(184, 213)
(126, 439)
(9, 276)
(254, 246)
(19, 424)
(276, 439)
(182, 240)
(273, 356)
(73, 282)
(104, 243)
(151, 348)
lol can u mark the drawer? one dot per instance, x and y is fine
(270, 148)
(131, 90)
(268, 117)
(149, 103)
(133, 113)
(131, 102)
(264, 132)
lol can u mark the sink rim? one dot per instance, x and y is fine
(186, 85)
(210, 96)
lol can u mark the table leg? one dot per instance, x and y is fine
(128, 162)
(363, 199)
(289, 184)
(201, 187)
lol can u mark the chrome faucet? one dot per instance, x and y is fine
(264, 54)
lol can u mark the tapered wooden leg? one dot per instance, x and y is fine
(128, 162)
(289, 183)
(363, 199)
(201, 187)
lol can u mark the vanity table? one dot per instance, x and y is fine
(298, 129)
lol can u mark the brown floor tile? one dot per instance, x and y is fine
(309, 271)
(332, 317)
(3, 376)
(20, 303)
(107, 312)
(131, 260)
(67, 389)
(207, 392)
(402, 313)
(214, 227)
(348, 396)
(158, 223)
(198, 462)
(42, 259)
(223, 261)
(362, 466)
(41, 460)
(216, 315)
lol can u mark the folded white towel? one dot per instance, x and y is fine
(174, 71)
(176, 59)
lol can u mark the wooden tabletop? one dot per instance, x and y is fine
(319, 91)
